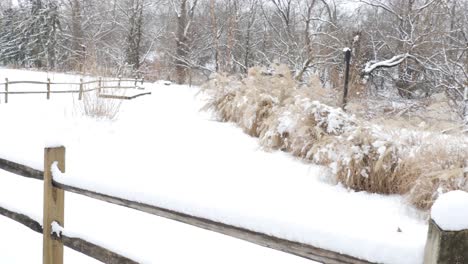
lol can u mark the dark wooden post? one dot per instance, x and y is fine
(120, 79)
(53, 206)
(48, 88)
(345, 91)
(80, 95)
(142, 80)
(99, 85)
(6, 90)
(136, 80)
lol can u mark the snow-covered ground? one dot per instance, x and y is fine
(163, 151)
(143, 237)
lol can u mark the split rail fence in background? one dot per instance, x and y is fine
(81, 87)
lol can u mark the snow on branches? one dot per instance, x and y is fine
(396, 60)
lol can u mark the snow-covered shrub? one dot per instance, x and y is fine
(442, 164)
(97, 107)
(363, 161)
(297, 126)
(362, 155)
(249, 102)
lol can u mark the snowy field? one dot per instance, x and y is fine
(161, 150)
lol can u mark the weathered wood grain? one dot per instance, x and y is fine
(94, 251)
(21, 170)
(54, 206)
(22, 219)
(78, 244)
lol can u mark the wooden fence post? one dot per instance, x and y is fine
(48, 88)
(345, 91)
(445, 247)
(80, 95)
(136, 80)
(53, 206)
(6, 90)
(447, 237)
(120, 79)
(142, 80)
(99, 85)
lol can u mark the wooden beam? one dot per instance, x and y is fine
(78, 244)
(138, 95)
(53, 206)
(21, 218)
(94, 251)
(21, 170)
(6, 90)
(119, 87)
(123, 97)
(346, 80)
(445, 247)
(48, 88)
(80, 95)
(291, 247)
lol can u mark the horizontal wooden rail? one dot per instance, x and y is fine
(118, 87)
(21, 170)
(73, 83)
(25, 92)
(42, 92)
(78, 244)
(291, 247)
(22, 219)
(111, 96)
(70, 91)
(65, 83)
(26, 82)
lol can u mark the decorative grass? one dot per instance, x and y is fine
(270, 105)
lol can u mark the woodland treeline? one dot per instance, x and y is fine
(413, 47)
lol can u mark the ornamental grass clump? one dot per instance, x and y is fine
(362, 155)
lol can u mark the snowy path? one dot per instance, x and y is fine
(164, 152)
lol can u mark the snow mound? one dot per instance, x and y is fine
(450, 211)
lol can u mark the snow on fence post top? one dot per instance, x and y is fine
(450, 211)
(447, 239)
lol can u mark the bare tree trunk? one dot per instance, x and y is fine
(214, 30)
(77, 37)
(181, 42)
(248, 38)
(135, 33)
(231, 38)
(465, 101)
(307, 43)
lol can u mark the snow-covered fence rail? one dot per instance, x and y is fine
(74, 243)
(54, 208)
(54, 212)
(81, 90)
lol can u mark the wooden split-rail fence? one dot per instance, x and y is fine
(100, 85)
(53, 206)
(441, 247)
